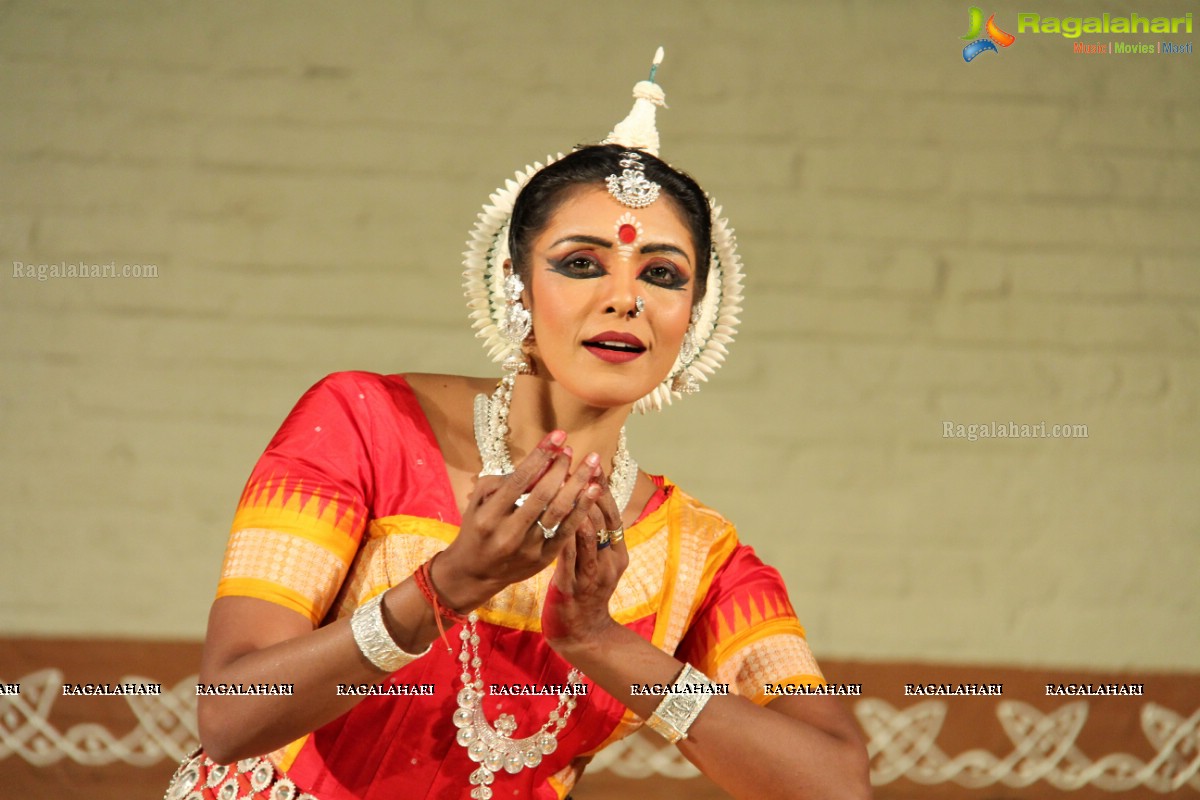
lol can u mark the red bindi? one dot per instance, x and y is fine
(627, 233)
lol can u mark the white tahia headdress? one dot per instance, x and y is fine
(716, 317)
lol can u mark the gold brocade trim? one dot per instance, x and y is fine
(277, 504)
(395, 546)
(639, 592)
(692, 563)
(283, 567)
(762, 661)
(688, 566)
(716, 648)
(400, 524)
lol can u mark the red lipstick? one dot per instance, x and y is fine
(615, 347)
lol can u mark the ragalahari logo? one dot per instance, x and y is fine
(995, 36)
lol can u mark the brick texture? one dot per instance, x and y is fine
(927, 240)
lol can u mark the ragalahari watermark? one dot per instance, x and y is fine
(974, 431)
(78, 270)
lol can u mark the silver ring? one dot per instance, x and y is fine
(547, 532)
(602, 538)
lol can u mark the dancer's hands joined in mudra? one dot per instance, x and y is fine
(501, 542)
(576, 607)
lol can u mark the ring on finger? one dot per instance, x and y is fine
(547, 532)
(604, 544)
(606, 537)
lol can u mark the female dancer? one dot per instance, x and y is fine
(437, 586)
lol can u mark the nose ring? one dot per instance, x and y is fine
(639, 305)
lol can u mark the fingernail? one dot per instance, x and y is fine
(592, 491)
(557, 438)
(592, 460)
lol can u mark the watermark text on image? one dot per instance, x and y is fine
(59, 270)
(974, 431)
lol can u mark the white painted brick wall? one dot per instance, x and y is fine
(927, 240)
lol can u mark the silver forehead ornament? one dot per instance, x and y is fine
(715, 318)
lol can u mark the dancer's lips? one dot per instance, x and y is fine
(615, 347)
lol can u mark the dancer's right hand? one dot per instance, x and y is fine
(500, 542)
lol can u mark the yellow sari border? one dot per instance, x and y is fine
(273, 504)
(732, 642)
(271, 592)
(404, 524)
(519, 606)
(284, 757)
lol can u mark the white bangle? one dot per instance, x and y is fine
(676, 713)
(373, 640)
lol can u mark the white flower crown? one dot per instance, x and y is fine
(717, 314)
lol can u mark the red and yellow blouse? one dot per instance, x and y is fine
(352, 495)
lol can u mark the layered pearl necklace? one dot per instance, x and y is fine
(492, 747)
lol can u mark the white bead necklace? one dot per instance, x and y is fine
(491, 436)
(493, 748)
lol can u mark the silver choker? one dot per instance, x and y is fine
(491, 436)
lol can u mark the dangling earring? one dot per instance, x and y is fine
(684, 381)
(516, 326)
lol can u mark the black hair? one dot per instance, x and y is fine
(590, 165)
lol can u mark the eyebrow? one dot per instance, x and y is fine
(665, 248)
(596, 240)
(602, 242)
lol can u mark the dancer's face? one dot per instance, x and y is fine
(587, 268)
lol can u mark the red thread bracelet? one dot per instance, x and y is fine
(425, 584)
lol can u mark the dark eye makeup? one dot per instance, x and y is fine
(582, 266)
(666, 275)
(578, 265)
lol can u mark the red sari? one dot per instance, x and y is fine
(352, 495)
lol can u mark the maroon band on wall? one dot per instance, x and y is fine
(933, 730)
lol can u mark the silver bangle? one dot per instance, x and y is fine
(373, 640)
(676, 713)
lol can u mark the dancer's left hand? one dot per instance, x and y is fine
(576, 607)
